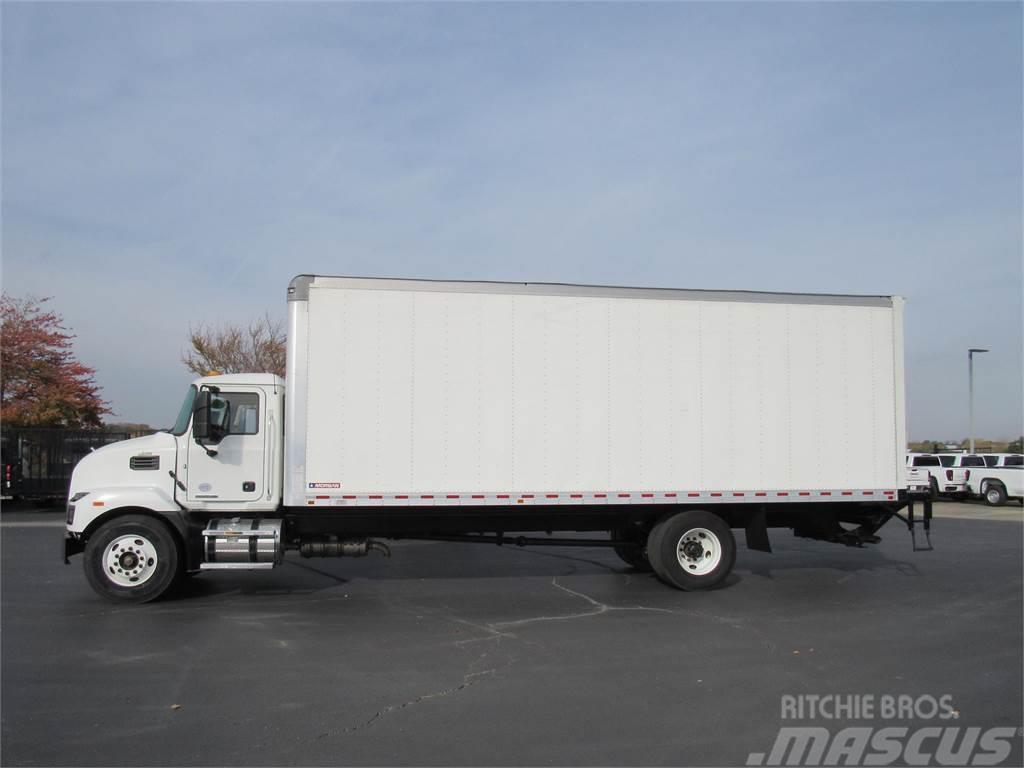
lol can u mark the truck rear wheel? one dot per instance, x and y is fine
(132, 559)
(995, 495)
(692, 550)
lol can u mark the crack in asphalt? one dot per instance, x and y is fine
(469, 679)
(497, 631)
(598, 609)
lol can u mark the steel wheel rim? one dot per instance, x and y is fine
(130, 561)
(699, 551)
(992, 495)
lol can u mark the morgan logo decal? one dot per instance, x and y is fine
(325, 485)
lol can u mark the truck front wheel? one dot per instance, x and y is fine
(132, 559)
(692, 550)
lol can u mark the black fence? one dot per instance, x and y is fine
(37, 461)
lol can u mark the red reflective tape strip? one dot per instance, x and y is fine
(645, 495)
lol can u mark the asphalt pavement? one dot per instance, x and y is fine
(464, 654)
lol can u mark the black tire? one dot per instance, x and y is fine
(144, 548)
(995, 494)
(634, 555)
(692, 550)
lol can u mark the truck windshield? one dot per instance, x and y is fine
(181, 423)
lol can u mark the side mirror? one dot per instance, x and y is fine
(210, 418)
(201, 416)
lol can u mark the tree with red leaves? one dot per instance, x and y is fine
(41, 381)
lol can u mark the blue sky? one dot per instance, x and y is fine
(174, 164)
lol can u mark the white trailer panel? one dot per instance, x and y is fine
(405, 389)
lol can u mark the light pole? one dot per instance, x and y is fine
(970, 389)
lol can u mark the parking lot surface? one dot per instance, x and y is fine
(477, 655)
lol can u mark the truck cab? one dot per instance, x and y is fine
(1004, 460)
(222, 455)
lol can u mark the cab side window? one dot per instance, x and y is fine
(243, 412)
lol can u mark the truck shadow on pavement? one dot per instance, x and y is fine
(421, 562)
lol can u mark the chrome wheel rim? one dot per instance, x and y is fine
(130, 561)
(699, 551)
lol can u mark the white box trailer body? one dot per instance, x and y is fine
(409, 392)
(416, 409)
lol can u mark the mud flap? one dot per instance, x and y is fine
(757, 532)
(72, 546)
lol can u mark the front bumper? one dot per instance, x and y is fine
(72, 546)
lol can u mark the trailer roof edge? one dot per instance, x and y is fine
(298, 290)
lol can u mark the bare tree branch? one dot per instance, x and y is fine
(257, 348)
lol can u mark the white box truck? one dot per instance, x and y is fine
(503, 412)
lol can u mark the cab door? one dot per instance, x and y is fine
(232, 472)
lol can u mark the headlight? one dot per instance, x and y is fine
(71, 505)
